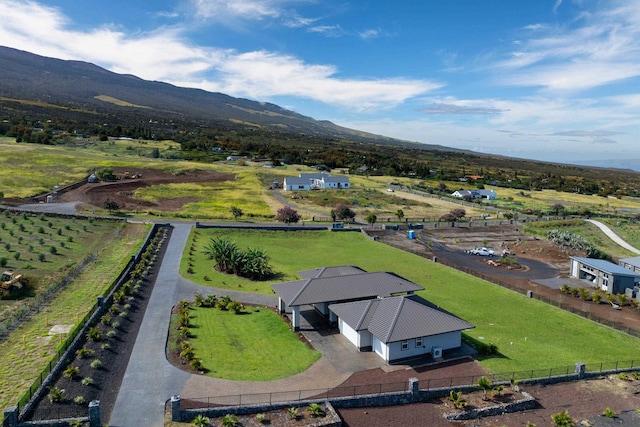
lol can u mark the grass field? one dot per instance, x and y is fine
(628, 230)
(19, 179)
(590, 232)
(44, 248)
(29, 348)
(253, 346)
(528, 333)
(517, 199)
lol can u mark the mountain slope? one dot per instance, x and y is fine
(82, 85)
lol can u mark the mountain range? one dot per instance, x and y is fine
(83, 86)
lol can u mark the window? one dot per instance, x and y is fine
(404, 344)
(419, 342)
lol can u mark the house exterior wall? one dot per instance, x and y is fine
(394, 350)
(630, 266)
(350, 333)
(306, 182)
(609, 282)
(293, 185)
(366, 339)
(380, 349)
(621, 283)
(446, 341)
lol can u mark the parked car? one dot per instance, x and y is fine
(482, 252)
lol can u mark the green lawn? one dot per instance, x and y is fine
(253, 346)
(528, 333)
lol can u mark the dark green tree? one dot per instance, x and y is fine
(344, 212)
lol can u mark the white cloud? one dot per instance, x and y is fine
(260, 74)
(328, 30)
(244, 9)
(264, 74)
(371, 33)
(601, 50)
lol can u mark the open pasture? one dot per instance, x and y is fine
(529, 334)
(45, 248)
(509, 198)
(591, 233)
(28, 349)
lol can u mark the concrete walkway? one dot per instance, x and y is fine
(613, 236)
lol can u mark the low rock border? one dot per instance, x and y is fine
(524, 404)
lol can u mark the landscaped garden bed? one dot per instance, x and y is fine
(95, 370)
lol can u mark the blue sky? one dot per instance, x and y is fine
(553, 80)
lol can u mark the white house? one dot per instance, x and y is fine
(315, 181)
(475, 194)
(321, 287)
(375, 311)
(399, 327)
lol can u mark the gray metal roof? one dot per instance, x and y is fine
(635, 261)
(343, 288)
(342, 270)
(606, 266)
(399, 318)
(294, 180)
(336, 179)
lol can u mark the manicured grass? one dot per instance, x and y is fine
(253, 346)
(528, 333)
(29, 348)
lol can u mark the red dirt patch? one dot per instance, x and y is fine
(122, 191)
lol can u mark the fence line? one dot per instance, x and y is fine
(586, 314)
(557, 374)
(28, 399)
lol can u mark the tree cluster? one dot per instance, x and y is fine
(454, 215)
(252, 263)
(342, 212)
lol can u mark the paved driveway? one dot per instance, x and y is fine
(150, 380)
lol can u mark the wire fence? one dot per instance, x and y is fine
(559, 374)
(29, 397)
(25, 310)
(582, 311)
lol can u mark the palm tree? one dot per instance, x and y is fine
(485, 384)
(562, 419)
(200, 421)
(223, 251)
(456, 398)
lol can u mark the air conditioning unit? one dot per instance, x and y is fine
(436, 352)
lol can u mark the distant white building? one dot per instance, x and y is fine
(315, 181)
(475, 194)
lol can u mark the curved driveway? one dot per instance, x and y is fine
(613, 236)
(150, 380)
